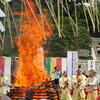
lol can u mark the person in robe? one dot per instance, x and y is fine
(77, 80)
(3, 83)
(91, 86)
(64, 83)
(63, 79)
(98, 86)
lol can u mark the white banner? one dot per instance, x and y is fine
(64, 65)
(72, 61)
(91, 64)
(7, 68)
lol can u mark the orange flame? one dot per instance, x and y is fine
(36, 28)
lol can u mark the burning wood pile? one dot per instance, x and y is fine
(46, 90)
(31, 79)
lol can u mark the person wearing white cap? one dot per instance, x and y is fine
(3, 83)
(64, 83)
(63, 79)
(77, 80)
(65, 94)
(91, 85)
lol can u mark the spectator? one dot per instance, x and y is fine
(57, 75)
(91, 85)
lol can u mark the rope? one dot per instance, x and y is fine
(59, 18)
(35, 18)
(85, 16)
(89, 9)
(76, 18)
(43, 29)
(53, 14)
(28, 17)
(43, 16)
(53, 11)
(71, 20)
(97, 17)
(20, 23)
(13, 18)
(62, 15)
(3, 2)
(9, 26)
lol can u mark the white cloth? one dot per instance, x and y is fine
(62, 81)
(91, 84)
(2, 14)
(2, 28)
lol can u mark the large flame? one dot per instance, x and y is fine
(36, 28)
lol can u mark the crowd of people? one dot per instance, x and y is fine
(81, 86)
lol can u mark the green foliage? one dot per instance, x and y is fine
(84, 38)
(8, 47)
(69, 42)
(57, 46)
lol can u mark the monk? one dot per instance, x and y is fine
(77, 80)
(91, 85)
(63, 79)
(65, 95)
(3, 83)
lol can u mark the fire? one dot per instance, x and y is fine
(36, 29)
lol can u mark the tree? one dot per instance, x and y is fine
(60, 46)
(8, 47)
(69, 41)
